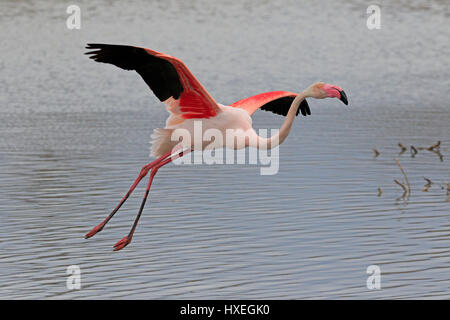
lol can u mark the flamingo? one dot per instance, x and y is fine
(187, 101)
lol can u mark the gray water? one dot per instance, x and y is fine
(74, 135)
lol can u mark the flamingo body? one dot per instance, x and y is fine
(229, 118)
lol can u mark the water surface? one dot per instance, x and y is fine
(74, 135)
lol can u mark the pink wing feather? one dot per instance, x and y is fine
(278, 102)
(168, 77)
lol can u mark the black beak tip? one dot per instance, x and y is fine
(343, 97)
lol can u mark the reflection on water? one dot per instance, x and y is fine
(74, 135)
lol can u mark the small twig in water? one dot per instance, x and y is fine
(404, 174)
(402, 147)
(428, 185)
(413, 151)
(405, 191)
(377, 153)
(429, 182)
(434, 146)
(438, 153)
(380, 192)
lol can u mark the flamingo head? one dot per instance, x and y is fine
(321, 90)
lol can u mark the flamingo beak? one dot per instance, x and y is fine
(343, 97)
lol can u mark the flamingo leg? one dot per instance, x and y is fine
(145, 169)
(127, 239)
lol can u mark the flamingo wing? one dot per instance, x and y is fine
(168, 78)
(277, 102)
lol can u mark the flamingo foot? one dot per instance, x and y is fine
(94, 230)
(122, 243)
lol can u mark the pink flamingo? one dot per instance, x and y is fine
(188, 101)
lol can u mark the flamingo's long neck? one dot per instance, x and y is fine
(277, 139)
